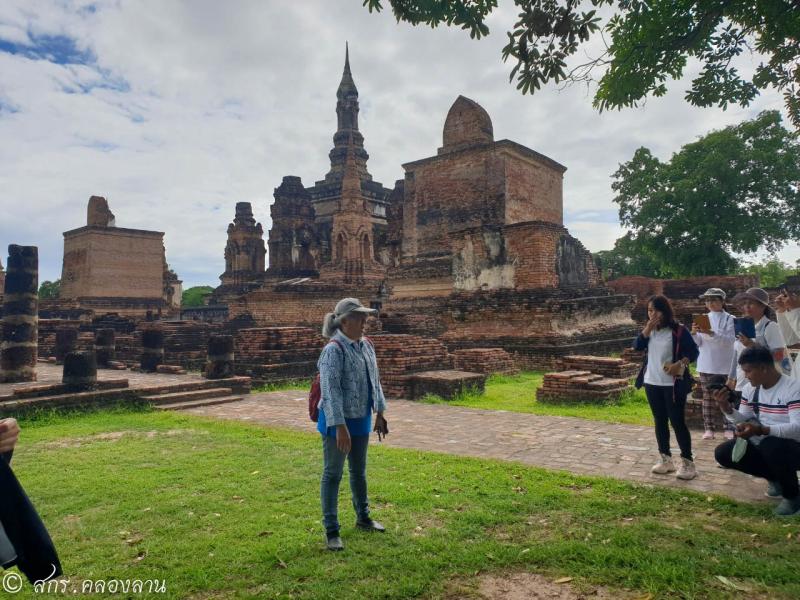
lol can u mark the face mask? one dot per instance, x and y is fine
(739, 449)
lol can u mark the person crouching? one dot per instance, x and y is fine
(767, 443)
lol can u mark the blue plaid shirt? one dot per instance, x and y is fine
(345, 382)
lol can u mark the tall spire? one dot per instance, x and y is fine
(347, 135)
(347, 86)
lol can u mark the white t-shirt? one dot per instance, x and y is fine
(659, 351)
(779, 408)
(768, 334)
(716, 351)
(789, 322)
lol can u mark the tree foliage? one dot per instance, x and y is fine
(625, 259)
(50, 289)
(647, 43)
(772, 272)
(733, 191)
(195, 296)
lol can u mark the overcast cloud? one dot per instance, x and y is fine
(175, 111)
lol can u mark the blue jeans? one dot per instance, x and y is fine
(332, 468)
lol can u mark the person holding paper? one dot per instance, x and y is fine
(669, 348)
(767, 443)
(755, 305)
(787, 307)
(714, 337)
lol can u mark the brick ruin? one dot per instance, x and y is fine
(110, 269)
(468, 247)
(683, 293)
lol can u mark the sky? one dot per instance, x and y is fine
(175, 111)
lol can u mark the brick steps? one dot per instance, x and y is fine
(581, 387)
(614, 368)
(198, 403)
(170, 393)
(201, 394)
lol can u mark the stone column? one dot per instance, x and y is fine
(80, 371)
(104, 346)
(66, 342)
(152, 349)
(20, 325)
(220, 357)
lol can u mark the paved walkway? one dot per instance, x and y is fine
(566, 443)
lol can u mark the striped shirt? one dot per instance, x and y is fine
(778, 408)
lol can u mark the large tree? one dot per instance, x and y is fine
(645, 44)
(733, 191)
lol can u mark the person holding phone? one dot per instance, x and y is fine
(351, 391)
(716, 353)
(669, 349)
(769, 422)
(787, 307)
(755, 305)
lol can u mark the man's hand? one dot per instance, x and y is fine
(722, 398)
(381, 426)
(748, 430)
(9, 434)
(343, 441)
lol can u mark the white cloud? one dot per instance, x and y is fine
(191, 107)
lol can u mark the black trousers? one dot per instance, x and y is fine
(668, 410)
(36, 555)
(774, 458)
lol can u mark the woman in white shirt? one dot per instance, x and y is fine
(787, 306)
(716, 354)
(755, 304)
(669, 348)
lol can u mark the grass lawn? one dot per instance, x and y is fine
(517, 393)
(229, 510)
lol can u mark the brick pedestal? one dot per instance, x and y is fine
(19, 338)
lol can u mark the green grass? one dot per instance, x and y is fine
(292, 384)
(517, 393)
(231, 510)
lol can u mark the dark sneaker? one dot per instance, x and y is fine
(370, 525)
(774, 489)
(334, 542)
(788, 507)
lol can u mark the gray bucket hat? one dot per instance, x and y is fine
(756, 294)
(713, 293)
(345, 306)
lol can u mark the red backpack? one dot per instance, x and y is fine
(315, 394)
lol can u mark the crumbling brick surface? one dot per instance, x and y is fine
(614, 368)
(484, 360)
(581, 387)
(270, 354)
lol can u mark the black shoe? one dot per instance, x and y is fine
(370, 525)
(334, 542)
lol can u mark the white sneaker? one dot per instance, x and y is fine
(687, 469)
(708, 435)
(663, 466)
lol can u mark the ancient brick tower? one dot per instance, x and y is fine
(244, 252)
(300, 240)
(293, 241)
(352, 235)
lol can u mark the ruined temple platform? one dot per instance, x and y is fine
(165, 391)
(579, 446)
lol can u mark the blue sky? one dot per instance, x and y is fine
(175, 111)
